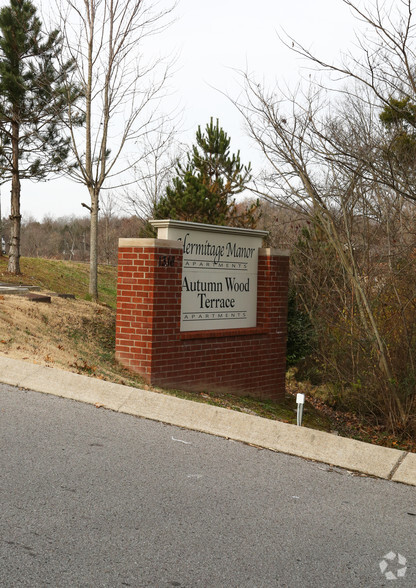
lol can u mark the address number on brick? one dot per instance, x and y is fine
(166, 260)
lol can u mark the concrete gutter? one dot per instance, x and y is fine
(372, 460)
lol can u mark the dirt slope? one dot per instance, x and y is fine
(74, 335)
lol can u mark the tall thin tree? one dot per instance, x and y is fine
(120, 87)
(31, 104)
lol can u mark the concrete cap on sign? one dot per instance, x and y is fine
(165, 224)
(171, 244)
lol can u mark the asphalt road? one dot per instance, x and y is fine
(91, 497)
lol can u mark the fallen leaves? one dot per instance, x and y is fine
(82, 366)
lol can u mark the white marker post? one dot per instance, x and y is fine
(300, 401)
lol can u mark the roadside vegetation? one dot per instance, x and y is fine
(79, 336)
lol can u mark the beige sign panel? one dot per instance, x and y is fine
(219, 278)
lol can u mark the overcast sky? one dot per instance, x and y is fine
(212, 40)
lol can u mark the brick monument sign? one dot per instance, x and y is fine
(203, 307)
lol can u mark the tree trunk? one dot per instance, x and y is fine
(93, 287)
(15, 216)
(1, 231)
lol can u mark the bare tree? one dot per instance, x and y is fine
(321, 158)
(153, 173)
(343, 155)
(379, 73)
(121, 90)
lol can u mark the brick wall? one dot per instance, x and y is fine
(149, 340)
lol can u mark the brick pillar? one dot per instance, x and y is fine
(149, 341)
(148, 300)
(272, 299)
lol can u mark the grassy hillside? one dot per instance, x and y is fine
(64, 277)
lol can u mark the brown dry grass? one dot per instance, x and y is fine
(74, 335)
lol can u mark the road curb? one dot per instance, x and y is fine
(373, 460)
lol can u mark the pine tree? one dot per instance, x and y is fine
(32, 103)
(399, 119)
(205, 187)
